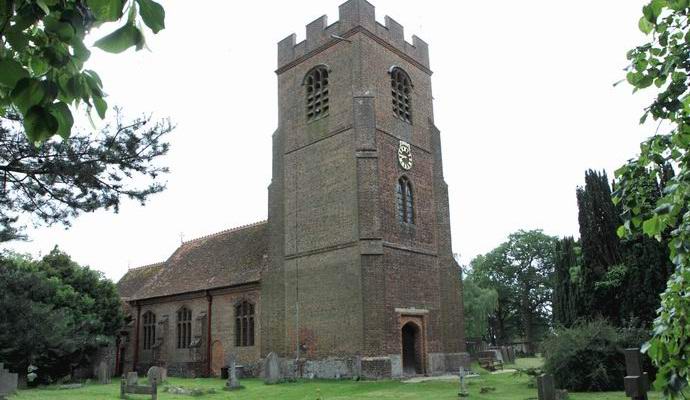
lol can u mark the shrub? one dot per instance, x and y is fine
(589, 356)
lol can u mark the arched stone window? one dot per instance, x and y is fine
(149, 330)
(405, 201)
(401, 90)
(184, 328)
(316, 85)
(244, 324)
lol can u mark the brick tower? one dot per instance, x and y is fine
(361, 277)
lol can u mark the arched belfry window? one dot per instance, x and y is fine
(184, 328)
(244, 324)
(149, 329)
(316, 85)
(405, 201)
(401, 91)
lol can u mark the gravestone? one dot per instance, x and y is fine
(463, 388)
(156, 374)
(545, 387)
(504, 354)
(132, 378)
(271, 369)
(233, 382)
(103, 373)
(8, 382)
(636, 382)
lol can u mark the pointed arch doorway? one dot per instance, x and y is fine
(413, 345)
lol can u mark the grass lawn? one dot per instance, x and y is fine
(507, 387)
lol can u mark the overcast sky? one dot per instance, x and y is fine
(523, 97)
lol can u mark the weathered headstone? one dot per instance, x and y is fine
(132, 378)
(504, 354)
(271, 369)
(155, 374)
(103, 373)
(463, 389)
(8, 382)
(233, 382)
(545, 387)
(636, 382)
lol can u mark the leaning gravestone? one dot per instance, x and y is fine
(103, 373)
(545, 387)
(8, 382)
(132, 378)
(233, 383)
(271, 369)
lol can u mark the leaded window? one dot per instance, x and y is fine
(184, 328)
(149, 330)
(405, 201)
(244, 324)
(401, 90)
(316, 84)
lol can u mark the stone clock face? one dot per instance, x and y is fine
(405, 155)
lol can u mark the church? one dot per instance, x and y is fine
(352, 274)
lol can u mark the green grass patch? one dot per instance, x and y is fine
(507, 386)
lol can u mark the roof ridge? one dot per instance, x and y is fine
(146, 266)
(237, 228)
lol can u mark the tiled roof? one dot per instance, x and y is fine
(136, 278)
(231, 257)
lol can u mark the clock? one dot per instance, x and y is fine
(405, 155)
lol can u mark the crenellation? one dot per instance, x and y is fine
(420, 49)
(396, 32)
(316, 33)
(353, 14)
(286, 49)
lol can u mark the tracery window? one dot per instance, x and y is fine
(184, 328)
(405, 201)
(316, 84)
(244, 324)
(401, 90)
(149, 330)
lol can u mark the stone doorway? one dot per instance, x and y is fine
(412, 349)
(217, 358)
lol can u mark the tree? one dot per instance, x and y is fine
(55, 313)
(42, 56)
(520, 271)
(598, 219)
(566, 286)
(490, 272)
(62, 178)
(664, 62)
(480, 304)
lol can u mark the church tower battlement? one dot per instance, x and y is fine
(355, 16)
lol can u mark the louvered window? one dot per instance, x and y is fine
(401, 92)
(316, 84)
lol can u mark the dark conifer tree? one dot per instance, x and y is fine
(565, 294)
(601, 248)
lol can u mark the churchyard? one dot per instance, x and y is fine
(502, 385)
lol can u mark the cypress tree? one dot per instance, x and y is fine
(601, 248)
(565, 293)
